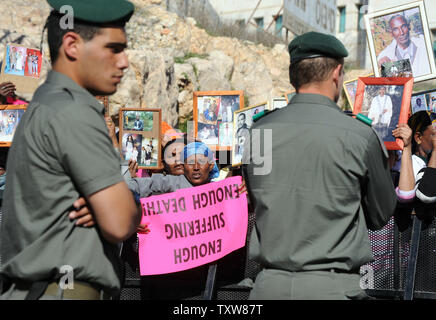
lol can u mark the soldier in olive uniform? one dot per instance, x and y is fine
(61, 151)
(329, 182)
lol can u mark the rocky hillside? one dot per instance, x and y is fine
(170, 58)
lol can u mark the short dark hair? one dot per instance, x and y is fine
(55, 33)
(418, 122)
(312, 70)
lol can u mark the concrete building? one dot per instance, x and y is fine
(350, 30)
(243, 10)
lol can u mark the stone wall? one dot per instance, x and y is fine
(170, 58)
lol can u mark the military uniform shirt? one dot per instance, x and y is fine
(60, 152)
(329, 180)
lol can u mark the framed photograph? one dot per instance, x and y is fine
(386, 102)
(213, 117)
(105, 101)
(350, 88)
(423, 100)
(278, 103)
(10, 116)
(140, 136)
(22, 66)
(242, 123)
(289, 95)
(401, 33)
(400, 68)
(419, 103)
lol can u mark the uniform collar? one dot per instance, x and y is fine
(65, 82)
(311, 98)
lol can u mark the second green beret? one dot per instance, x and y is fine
(315, 44)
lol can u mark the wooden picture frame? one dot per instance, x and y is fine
(350, 89)
(140, 136)
(385, 37)
(387, 109)
(10, 115)
(105, 101)
(241, 127)
(278, 103)
(22, 66)
(212, 110)
(289, 95)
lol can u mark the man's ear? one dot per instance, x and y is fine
(71, 43)
(337, 73)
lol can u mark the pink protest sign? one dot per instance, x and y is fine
(192, 227)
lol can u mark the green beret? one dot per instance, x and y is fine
(315, 44)
(97, 11)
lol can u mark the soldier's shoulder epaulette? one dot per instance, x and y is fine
(368, 122)
(262, 114)
(361, 118)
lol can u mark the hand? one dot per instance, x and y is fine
(143, 228)
(7, 89)
(383, 60)
(133, 168)
(82, 214)
(403, 132)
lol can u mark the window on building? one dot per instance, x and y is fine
(341, 19)
(279, 25)
(259, 22)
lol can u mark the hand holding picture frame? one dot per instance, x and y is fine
(386, 101)
(10, 116)
(401, 33)
(213, 117)
(140, 136)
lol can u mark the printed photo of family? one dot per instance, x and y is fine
(214, 117)
(22, 61)
(143, 150)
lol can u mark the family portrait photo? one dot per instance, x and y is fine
(214, 115)
(140, 136)
(22, 61)
(401, 33)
